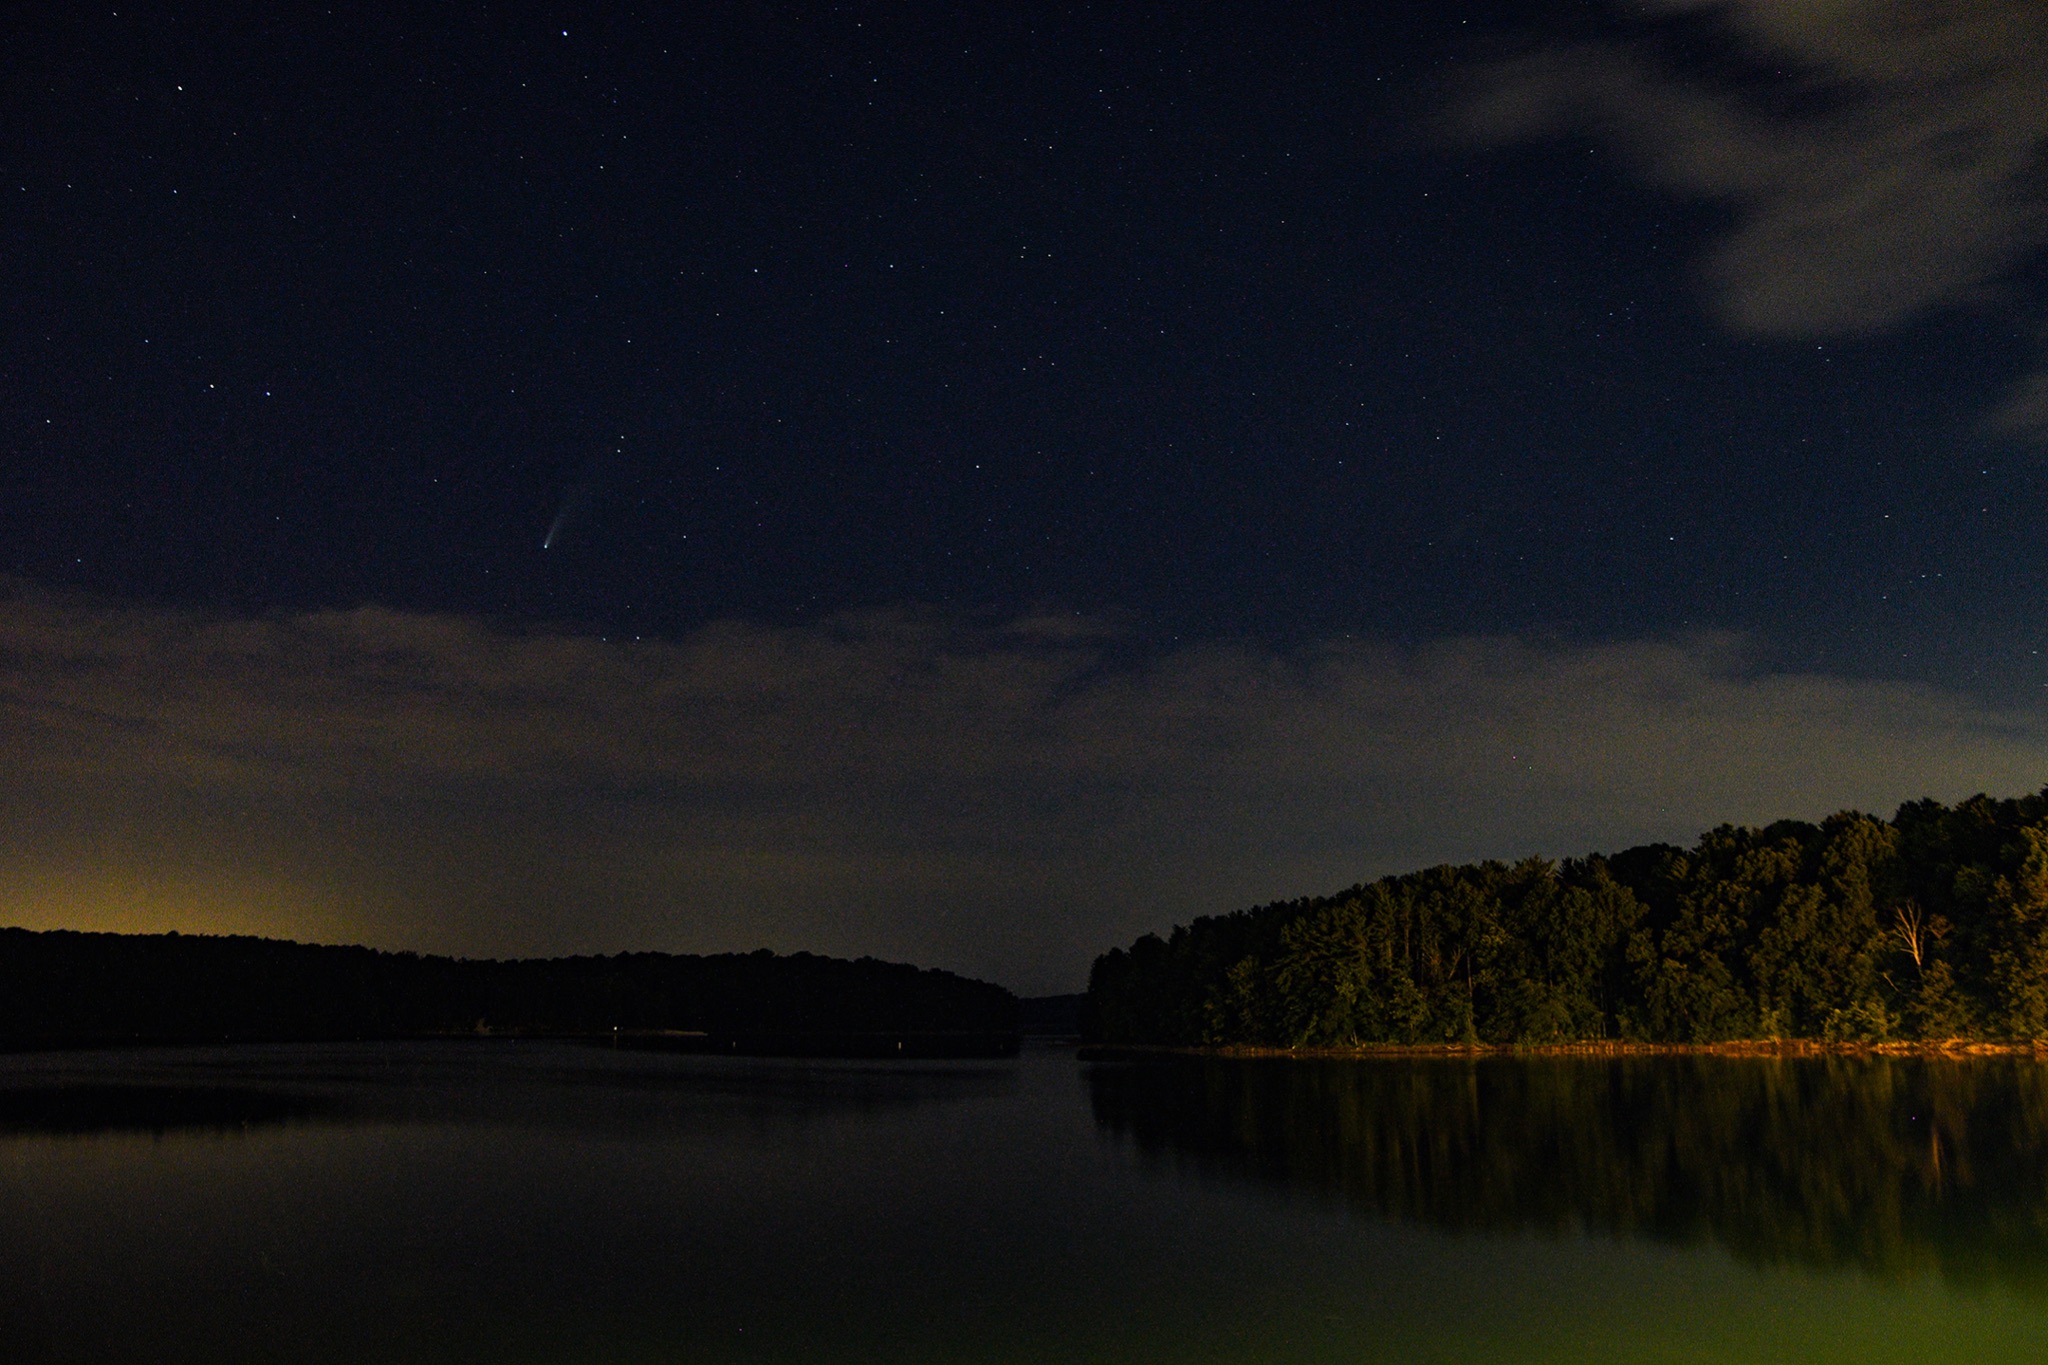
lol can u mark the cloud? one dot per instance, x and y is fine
(2025, 409)
(1882, 159)
(1006, 801)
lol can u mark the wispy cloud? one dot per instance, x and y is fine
(1883, 158)
(1004, 801)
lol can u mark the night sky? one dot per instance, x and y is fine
(970, 484)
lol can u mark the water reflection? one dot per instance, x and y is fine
(542, 1085)
(87, 1108)
(1897, 1166)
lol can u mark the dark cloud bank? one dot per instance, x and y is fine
(1001, 801)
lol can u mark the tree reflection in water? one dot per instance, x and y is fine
(1898, 1166)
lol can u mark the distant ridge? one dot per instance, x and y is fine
(1050, 1016)
(62, 988)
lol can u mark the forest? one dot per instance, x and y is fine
(65, 988)
(1930, 926)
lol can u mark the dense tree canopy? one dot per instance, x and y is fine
(1931, 925)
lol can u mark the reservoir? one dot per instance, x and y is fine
(503, 1201)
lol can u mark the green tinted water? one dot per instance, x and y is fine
(509, 1202)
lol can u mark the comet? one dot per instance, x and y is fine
(573, 502)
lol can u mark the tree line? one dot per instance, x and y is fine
(1932, 925)
(68, 988)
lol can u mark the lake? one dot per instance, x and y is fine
(508, 1202)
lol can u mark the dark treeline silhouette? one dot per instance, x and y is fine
(64, 988)
(1932, 925)
(1897, 1165)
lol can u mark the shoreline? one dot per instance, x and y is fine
(907, 1044)
(1767, 1048)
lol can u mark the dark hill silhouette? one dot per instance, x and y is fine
(62, 988)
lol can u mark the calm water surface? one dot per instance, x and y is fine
(526, 1202)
